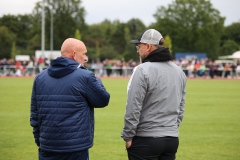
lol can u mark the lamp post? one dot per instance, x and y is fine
(43, 28)
(51, 32)
(51, 25)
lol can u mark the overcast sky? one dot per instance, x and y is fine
(124, 10)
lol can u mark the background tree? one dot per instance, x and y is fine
(194, 25)
(130, 50)
(20, 25)
(7, 38)
(68, 15)
(136, 27)
(117, 39)
(228, 48)
(77, 34)
(168, 43)
(133, 28)
(233, 32)
(230, 40)
(34, 42)
(13, 50)
(96, 38)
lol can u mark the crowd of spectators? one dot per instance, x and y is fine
(207, 68)
(193, 68)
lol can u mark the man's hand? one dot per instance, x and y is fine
(128, 144)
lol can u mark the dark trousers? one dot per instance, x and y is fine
(148, 148)
(81, 155)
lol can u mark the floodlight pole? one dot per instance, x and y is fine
(51, 25)
(43, 27)
(51, 31)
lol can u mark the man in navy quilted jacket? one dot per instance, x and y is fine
(62, 105)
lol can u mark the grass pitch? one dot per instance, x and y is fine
(210, 128)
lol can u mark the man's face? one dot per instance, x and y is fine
(142, 50)
(80, 55)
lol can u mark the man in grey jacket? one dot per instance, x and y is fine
(155, 103)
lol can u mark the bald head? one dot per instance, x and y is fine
(74, 49)
(70, 45)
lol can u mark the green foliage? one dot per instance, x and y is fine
(68, 15)
(136, 27)
(209, 131)
(20, 25)
(77, 34)
(133, 29)
(230, 41)
(97, 37)
(118, 38)
(130, 50)
(111, 39)
(7, 38)
(34, 44)
(229, 47)
(168, 43)
(131, 53)
(13, 50)
(193, 25)
(233, 32)
(108, 52)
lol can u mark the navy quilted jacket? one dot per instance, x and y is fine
(62, 106)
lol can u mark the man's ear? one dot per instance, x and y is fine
(74, 55)
(149, 47)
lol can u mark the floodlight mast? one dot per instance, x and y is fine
(51, 31)
(43, 27)
(51, 9)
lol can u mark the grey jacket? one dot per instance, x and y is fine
(156, 99)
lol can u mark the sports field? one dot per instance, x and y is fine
(210, 128)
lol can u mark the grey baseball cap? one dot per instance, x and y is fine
(150, 36)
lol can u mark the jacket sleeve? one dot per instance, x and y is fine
(182, 105)
(34, 116)
(137, 88)
(97, 95)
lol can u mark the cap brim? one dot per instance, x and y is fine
(134, 41)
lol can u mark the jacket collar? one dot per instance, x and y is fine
(159, 55)
(63, 66)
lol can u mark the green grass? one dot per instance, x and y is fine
(210, 128)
